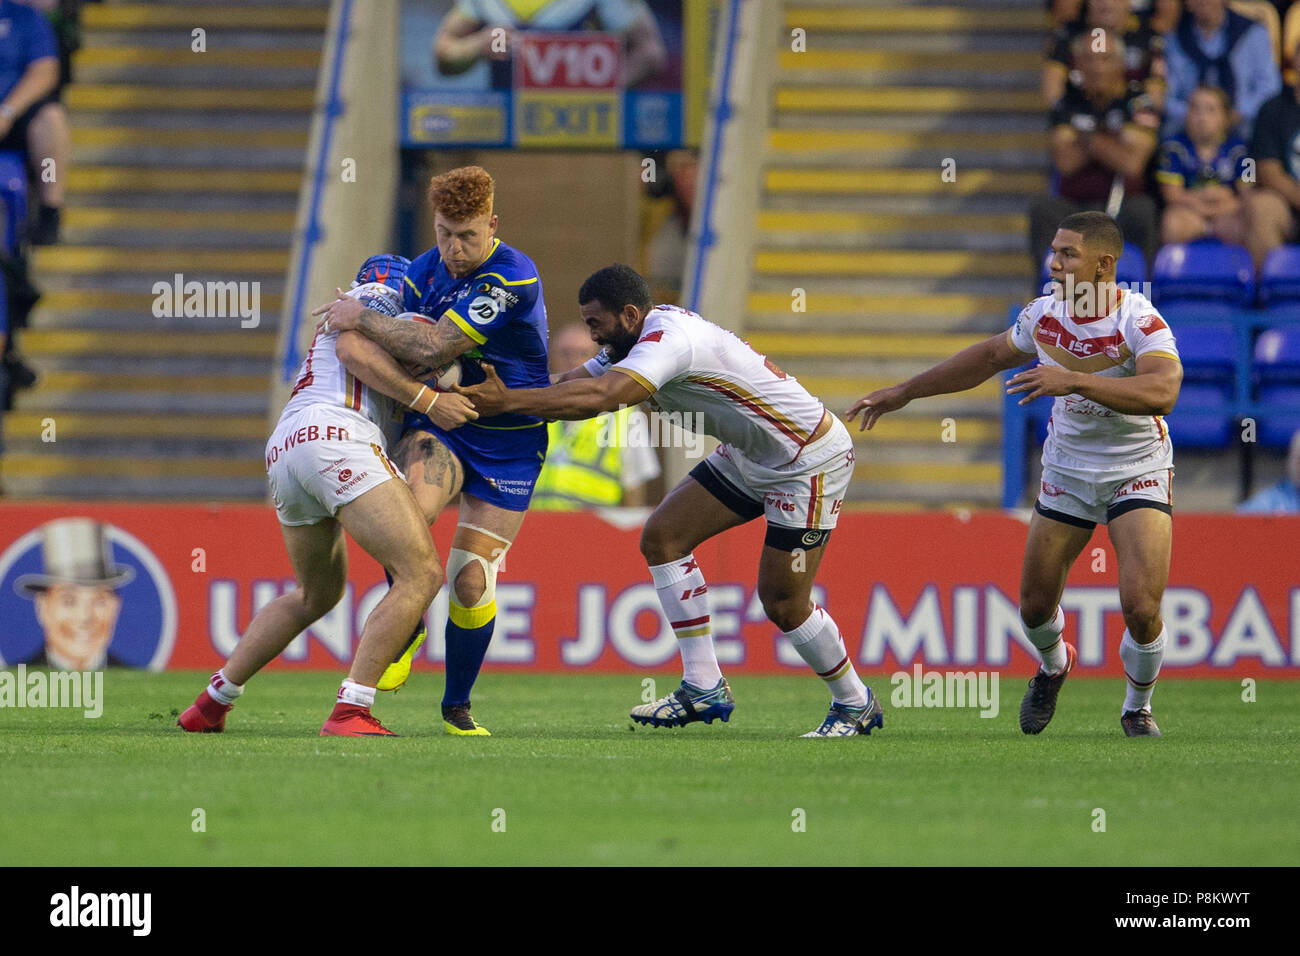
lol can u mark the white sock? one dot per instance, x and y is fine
(685, 599)
(356, 694)
(1141, 667)
(222, 690)
(819, 643)
(1047, 638)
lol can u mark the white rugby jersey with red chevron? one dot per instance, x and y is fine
(324, 380)
(1085, 438)
(731, 392)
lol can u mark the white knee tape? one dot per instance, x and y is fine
(458, 560)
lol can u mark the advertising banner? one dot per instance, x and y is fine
(163, 587)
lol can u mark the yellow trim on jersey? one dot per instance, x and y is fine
(641, 380)
(504, 280)
(1172, 178)
(465, 327)
(418, 293)
(1011, 340)
(509, 428)
(1163, 355)
(764, 408)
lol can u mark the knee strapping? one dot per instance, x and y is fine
(485, 608)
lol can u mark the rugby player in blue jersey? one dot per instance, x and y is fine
(481, 299)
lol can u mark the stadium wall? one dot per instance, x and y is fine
(937, 591)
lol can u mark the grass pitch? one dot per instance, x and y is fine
(564, 780)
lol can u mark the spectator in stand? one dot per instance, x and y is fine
(1161, 15)
(1283, 497)
(1201, 171)
(1102, 138)
(1269, 218)
(1144, 67)
(1214, 46)
(45, 121)
(1064, 11)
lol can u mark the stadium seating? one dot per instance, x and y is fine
(1277, 357)
(1203, 417)
(1279, 278)
(1203, 270)
(1280, 418)
(1207, 352)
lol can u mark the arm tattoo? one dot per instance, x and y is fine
(415, 342)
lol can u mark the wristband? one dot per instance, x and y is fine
(411, 403)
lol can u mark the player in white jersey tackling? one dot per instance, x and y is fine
(329, 472)
(783, 456)
(1110, 359)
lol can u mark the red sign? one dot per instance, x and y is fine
(568, 61)
(939, 590)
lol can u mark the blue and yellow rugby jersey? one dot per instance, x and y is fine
(500, 306)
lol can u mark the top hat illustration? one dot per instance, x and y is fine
(75, 551)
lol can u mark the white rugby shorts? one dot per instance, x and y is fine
(805, 494)
(322, 458)
(1086, 504)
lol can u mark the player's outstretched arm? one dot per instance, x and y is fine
(574, 399)
(965, 370)
(379, 370)
(570, 375)
(1152, 391)
(416, 343)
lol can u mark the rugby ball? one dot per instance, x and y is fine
(445, 376)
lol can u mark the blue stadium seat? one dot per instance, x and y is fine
(1277, 357)
(1279, 279)
(1203, 417)
(1281, 416)
(1183, 312)
(1131, 268)
(1208, 351)
(1204, 270)
(13, 196)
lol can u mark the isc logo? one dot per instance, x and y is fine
(569, 61)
